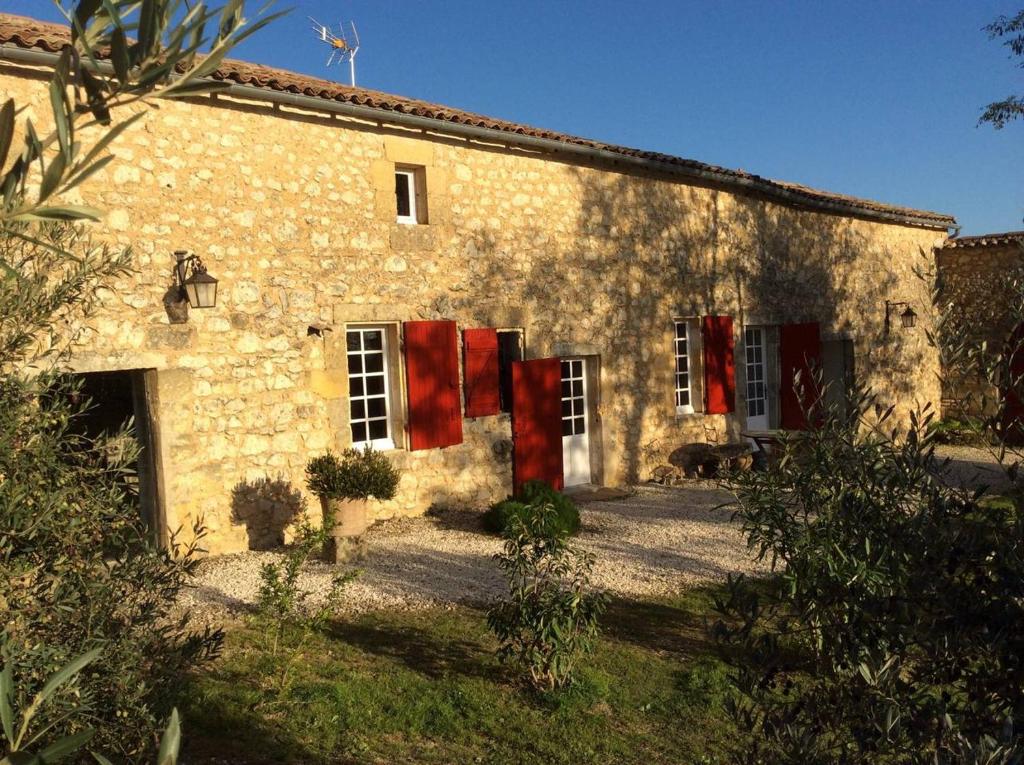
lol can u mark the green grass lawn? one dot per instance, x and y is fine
(391, 687)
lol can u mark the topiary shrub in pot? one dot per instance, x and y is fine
(345, 486)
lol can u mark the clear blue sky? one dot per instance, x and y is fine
(877, 99)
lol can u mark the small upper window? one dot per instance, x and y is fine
(410, 199)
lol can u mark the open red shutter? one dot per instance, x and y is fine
(799, 352)
(432, 370)
(719, 365)
(480, 360)
(537, 422)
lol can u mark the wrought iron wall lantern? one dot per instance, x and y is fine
(197, 286)
(908, 318)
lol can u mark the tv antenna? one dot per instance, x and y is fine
(344, 45)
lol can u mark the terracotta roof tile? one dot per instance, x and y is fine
(29, 33)
(986, 240)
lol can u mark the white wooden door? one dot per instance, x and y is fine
(575, 436)
(757, 389)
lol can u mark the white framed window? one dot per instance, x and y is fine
(686, 358)
(757, 391)
(681, 349)
(369, 388)
(410, 196)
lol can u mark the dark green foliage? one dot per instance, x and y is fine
(1011, 31)
(29, 744)
(78, 571)
(966, 431)
(565, 520)
(356, 475)
(549, 620)
(891, 632)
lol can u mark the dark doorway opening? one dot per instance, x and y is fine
(115, 399)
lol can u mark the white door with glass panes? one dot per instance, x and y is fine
(575, 436)
(757, 378)
(368, 388)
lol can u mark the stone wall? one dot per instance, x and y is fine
(294, 213)
(978, 284)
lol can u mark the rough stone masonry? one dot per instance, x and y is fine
(293, 211)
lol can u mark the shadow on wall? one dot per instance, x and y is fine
(267, 507)
(644, 252)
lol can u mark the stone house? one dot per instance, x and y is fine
(981, 279)
(489, 302)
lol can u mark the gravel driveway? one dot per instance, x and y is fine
(652, 543)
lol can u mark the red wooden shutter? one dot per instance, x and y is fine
(799, 352)
(537, 422)
(432, 371)
(719, 365)
(480, 361)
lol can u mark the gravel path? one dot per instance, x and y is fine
(653, 543)
(975, 466)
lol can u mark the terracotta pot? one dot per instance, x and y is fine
(350, 516)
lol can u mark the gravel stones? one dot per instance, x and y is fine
(655, 542)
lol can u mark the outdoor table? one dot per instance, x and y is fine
(763, 439)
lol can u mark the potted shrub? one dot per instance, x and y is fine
(345, 485)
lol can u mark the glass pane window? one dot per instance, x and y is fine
(753, 340)
(368, 388)
(681, 350)
(574, 420)
(405, 196)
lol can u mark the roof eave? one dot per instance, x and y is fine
(677, 169)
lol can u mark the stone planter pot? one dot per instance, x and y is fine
(350, 521)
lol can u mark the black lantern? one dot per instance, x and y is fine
(197, 286)
(908, 318)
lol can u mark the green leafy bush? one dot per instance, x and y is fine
(891, 630)
(966, 431)
(550, 618)
(565, 520)
(355, 475)
(79, 570)
(26, 744)
(282, 600)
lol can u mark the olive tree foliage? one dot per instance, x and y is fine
(889, 629)
(980, 343)
(79, 572)
(1011, 31)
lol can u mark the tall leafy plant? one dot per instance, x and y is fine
(890, 629)
(549, 620)
(78, 571)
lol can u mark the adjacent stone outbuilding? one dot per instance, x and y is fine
(980, 278)
(675, 297)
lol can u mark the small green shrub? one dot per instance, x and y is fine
(958, 431)
(283, 605)
(282, 601)
(565, 520)
(549, 620)
(355, 475)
